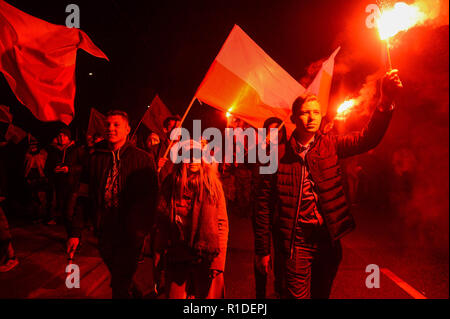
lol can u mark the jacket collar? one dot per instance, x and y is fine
(294, 145)
(65, 147)
(103, 147)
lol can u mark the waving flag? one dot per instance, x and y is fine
(38, 60)
(15, 134)
(96, 123)
(5, 115)
(321, 84)
(155, 115)
(246, 82)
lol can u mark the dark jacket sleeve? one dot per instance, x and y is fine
(76, 223)
(263, 213)
(365, 140)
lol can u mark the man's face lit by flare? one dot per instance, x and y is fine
(308, 118)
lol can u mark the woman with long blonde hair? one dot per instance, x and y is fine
(192, 230)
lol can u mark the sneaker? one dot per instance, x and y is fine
(9, 264)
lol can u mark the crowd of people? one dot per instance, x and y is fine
(135, 199)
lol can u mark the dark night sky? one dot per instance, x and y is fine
(166, 47)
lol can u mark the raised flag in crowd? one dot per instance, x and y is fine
(38, 60)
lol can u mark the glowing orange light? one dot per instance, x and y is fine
(399, 18)
(344, 109)
(228, 114)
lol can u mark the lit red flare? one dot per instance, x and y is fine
(400, 17)
(344, 109)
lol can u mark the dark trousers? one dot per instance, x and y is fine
(37, 188)
(310, 272)
(261, 278)
(78, 213)
(120, 253)
(63, 198)
(50, 196)
(60, 193)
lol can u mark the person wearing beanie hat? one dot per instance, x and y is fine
(66, 131)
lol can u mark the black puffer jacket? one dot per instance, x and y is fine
(281, 191)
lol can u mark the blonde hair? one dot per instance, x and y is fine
(206, 179)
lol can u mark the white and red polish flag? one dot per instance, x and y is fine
(38, 60)
(246, 82)
(321, 84)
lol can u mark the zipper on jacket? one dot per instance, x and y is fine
(300, 195)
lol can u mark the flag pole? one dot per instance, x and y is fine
(278, 128)
(380, 4)
(179, 126)
(388, 55)
(195, 96)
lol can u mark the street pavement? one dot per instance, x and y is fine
(407, 270)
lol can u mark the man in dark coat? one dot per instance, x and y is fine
(61, 178)
(123, 187)
(307, 196)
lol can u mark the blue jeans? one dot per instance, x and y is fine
(314, 264)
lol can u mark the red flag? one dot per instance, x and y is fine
(15, 134)
(248, 83)
(155, 115)
(5, 115)
(38, 61)
(96, 123)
